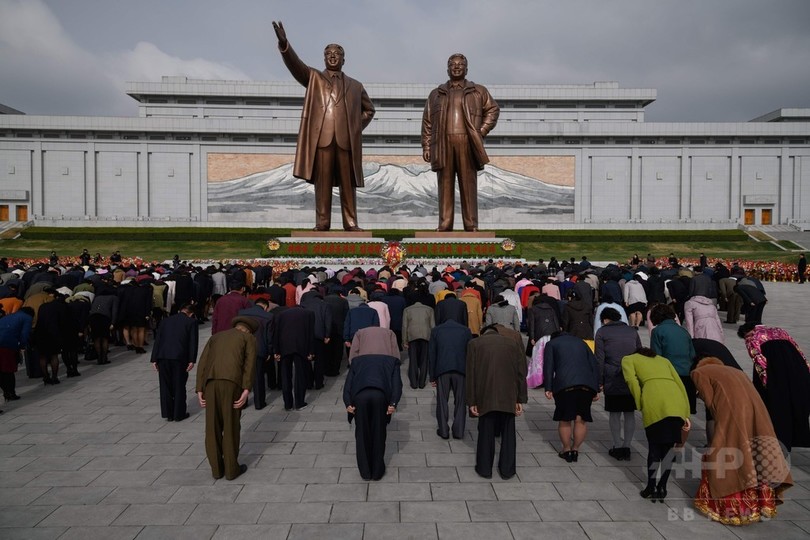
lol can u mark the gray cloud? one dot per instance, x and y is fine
(725, 60)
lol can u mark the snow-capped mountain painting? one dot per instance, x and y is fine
(393, 195)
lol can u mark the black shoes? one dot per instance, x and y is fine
(655, 494)
(12, 397)
(648, 493)
(439, 433)
(570, 456)
(620, 454)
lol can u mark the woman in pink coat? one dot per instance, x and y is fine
(701, 319)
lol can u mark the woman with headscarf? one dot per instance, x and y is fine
(660, 395)
(782, 378)
(701, 319)
(747, 487)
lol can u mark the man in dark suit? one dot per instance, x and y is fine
(313, 301)
(447, 358)
(329, 151)
(173, 356)
(371, 393)
(264, 347)
(224, 378)
(339, 307)
(451, 308)
(753, 298)
(293, 347)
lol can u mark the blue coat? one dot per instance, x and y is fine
(447, 349)
(358, 318)
(567, 362)
(176, 339)
(373, 371)
(15, 330)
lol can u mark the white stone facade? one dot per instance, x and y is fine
(628, 173)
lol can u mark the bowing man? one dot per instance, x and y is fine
(371, 393)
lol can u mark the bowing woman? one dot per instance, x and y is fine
(748, 488)
(781, 377)
(661, 397)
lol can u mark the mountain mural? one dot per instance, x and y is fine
(404, 191)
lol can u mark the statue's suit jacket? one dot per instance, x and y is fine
(359, 112)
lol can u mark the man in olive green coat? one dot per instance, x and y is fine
(224, 379)
(496, 391)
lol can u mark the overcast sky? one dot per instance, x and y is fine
(719, 60)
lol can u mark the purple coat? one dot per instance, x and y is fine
(701, 319)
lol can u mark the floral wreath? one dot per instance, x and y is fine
(393, 254)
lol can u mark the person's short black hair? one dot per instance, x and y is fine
(660, 313)
(261, 302)
(610, 314)
(745, 328)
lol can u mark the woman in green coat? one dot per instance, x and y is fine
(661, 397)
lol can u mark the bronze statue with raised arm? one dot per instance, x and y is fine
(458, 115)
(329, 151)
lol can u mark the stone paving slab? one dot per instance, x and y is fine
(92, 458)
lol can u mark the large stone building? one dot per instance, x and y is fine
(220, 153)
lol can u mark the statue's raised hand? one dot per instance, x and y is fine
(281, 34)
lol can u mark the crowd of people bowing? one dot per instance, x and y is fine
(484, 332)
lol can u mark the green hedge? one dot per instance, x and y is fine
(158, 234)
(246, 234)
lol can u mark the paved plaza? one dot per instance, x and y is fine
(91, 458)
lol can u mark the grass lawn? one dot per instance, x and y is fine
(154, 250)
(216, 244)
